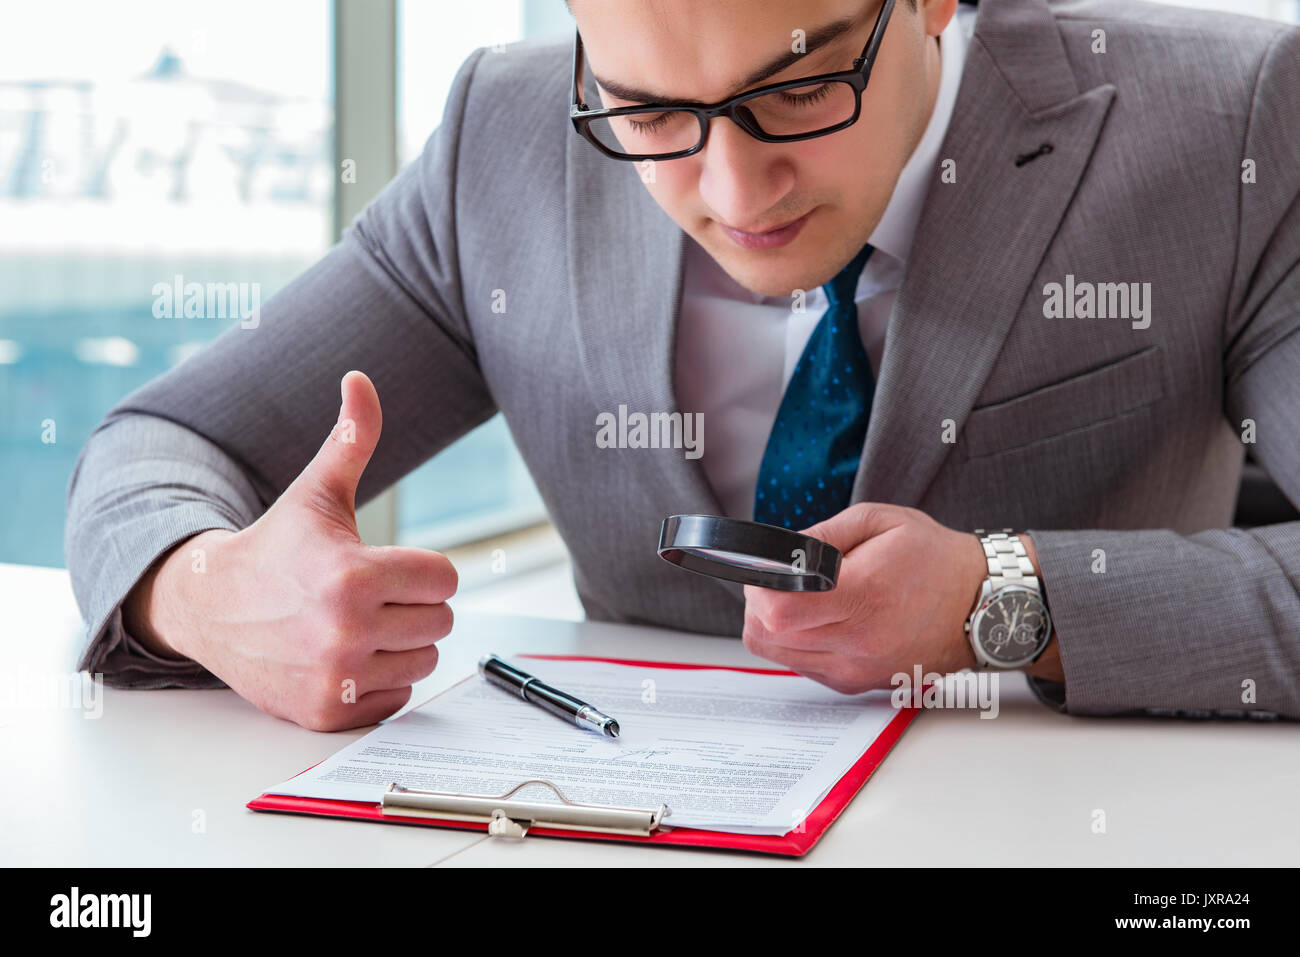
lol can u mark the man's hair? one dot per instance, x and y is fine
(910, 3)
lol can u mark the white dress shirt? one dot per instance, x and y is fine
(736, 349)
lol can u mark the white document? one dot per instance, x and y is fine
(725, 750)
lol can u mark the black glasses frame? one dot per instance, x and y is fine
(732, 108)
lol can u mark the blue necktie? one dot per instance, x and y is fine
(812, 454)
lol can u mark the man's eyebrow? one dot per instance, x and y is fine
(813, 41)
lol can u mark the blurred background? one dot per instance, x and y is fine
(145, 139)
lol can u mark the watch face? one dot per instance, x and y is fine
(1013, 626)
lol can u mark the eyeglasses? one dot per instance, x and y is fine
(784, 112)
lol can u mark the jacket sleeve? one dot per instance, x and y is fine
(214, 441)
(1209, 622)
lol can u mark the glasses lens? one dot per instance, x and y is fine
(802, 109)
(794, 112)
(638, 133)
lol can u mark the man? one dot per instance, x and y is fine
(1069, 235)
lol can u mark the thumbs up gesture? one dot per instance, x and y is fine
(295, 612)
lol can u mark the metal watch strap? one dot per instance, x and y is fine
(1009, 564)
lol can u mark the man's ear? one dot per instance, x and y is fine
(935, 15)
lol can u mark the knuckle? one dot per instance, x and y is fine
(863, 510)
(778, 616)
(836, 681)
(761, 608)
(319, 717)
(338, 686)
(334, 641)
(344, 583)
(331, 687)
(853, 682)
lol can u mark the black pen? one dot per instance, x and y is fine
(557, 702)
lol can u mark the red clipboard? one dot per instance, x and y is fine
(793, 844)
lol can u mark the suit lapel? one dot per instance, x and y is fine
(625, 272)
(979, 241)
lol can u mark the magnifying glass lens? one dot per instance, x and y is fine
(749, 553)
(741, 560)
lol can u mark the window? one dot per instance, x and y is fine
(170, 141)
(479, 486)
(193, 143)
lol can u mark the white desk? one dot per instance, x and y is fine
(1020, 789)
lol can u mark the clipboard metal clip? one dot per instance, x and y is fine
(507, 816)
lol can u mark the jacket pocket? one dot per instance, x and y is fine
(1087, 399)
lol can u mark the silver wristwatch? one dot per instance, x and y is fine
(1010, 625)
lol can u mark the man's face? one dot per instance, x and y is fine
(833, 188)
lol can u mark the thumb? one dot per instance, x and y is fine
(330, 479)
(853, 526)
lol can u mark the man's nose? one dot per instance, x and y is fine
(741, 178)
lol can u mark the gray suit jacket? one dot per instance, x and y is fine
(1104, 441)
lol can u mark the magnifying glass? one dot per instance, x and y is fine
(749, 552)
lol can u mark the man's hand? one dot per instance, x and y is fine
(905, 588)
(295, 612)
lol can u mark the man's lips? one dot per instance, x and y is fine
(769, 238)
(765, 229)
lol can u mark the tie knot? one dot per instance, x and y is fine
(843, 286)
